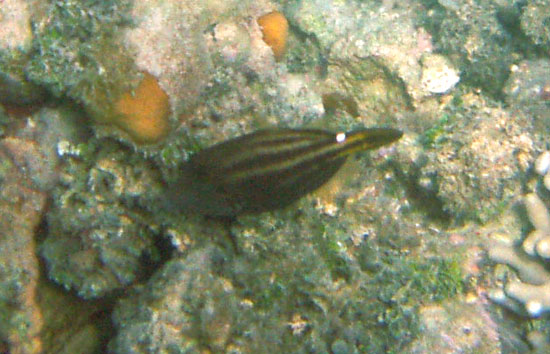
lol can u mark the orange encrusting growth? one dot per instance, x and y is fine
(144, 113)
(275, 32)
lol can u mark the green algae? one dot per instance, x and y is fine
(436, 134)
(306, 264)
(403, 284)
(77, 53)
(439, 133)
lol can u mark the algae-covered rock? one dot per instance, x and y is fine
(384, 41)
(70, 325)
(457, 327)
(27, 173)
(343, 268)
(77, 53)
(36, 316)
(41, 134)
(535, 22)
(186, 304)
(15, 44)
(528, 90)
(478, 153)
(98, 239)
(209, 300)
(364, 91)
(15, 89)
(21, 207)
(479, 37)
(151, 66)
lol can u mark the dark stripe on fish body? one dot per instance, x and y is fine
(266, 160)
(250, 151)
(267, 155)
(322, 146)
(272, 168)
(298, 158)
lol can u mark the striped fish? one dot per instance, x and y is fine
(268, 169)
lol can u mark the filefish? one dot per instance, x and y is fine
(267, 169)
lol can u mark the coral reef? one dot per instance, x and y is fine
(475, 152)
(366, 264)
(533, 288)
(525, 292)
(98, 240)
(483, 52)
(384, 43)
(344, 268)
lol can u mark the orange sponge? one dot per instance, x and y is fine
(145, 113)
(275, 32)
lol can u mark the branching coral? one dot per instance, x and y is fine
(533, 289)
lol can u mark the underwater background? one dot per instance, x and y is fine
(436, 243)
